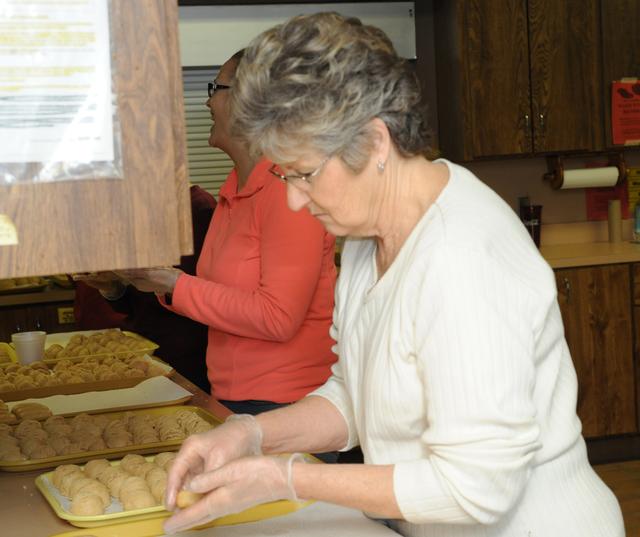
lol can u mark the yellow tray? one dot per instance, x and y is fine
(39, 284)
(10, 351)
(149, 520)
(83, 456)
(62, 338)
(80, 387)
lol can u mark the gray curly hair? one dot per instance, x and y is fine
(315, 82)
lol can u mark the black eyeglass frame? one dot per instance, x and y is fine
(212, 87)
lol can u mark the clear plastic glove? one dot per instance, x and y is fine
(235, 487)
(152, 280)
(106, 282)
(240, 436)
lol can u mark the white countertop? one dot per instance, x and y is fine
(316, 520)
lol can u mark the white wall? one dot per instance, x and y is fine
(209, 35)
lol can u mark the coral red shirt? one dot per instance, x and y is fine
(264, 286)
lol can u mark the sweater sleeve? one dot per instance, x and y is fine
(292, 245)
(334, 389)
(475, 325)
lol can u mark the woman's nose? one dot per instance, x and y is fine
(296, 198)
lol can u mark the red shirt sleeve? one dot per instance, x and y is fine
(292, 247)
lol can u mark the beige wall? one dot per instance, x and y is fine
(523, 177)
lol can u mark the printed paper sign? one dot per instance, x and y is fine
(625, 112)
(55, 81)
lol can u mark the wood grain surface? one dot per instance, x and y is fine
(596, 310)
(620, 48)
(104, 224)
(498, 62)
(566, 87)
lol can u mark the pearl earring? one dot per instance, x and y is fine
(380, 166)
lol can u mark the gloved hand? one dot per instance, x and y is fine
(240, 436)
(106, 282)
(159, 280)
(236, 486)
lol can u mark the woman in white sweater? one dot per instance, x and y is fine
(453, 375)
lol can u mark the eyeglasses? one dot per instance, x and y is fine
(212, 87)
(301, 181)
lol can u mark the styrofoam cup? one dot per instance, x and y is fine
(29, 346)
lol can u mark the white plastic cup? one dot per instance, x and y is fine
(29, 346)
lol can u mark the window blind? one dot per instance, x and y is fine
(208, 166)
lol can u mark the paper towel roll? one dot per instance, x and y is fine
(590, 177)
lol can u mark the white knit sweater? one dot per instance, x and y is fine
(453, 366)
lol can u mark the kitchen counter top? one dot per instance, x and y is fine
(588, 254)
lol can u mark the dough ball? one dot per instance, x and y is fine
(43, 451)
(67, 480)
(87, 505)
(130, 461)
(158, 490)
(97, 488)
(115, 484)
(98, 444)
(107, 474)
(79, 483)
(12, 454)
(53, 422)
(61, 471)
(59, 443)
(155, 474)
(161, 459)
(118, 439)
(95, 467)
(140, 500)
(141, 470)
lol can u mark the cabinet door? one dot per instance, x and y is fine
(596, 309)
(140, 221)
(620, 48)
(498, 67)
(565, 51)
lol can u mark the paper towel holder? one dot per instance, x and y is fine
(555, 165)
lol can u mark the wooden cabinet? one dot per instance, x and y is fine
(596, 309)
(620, 48)
(518, 77)
(52, 318)
(142, 220)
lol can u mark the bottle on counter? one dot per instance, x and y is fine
(636, 223)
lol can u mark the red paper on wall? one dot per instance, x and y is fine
(597, 199)
(625, 112)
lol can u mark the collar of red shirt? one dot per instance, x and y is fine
(258, 177)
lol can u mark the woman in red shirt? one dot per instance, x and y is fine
(264, 282)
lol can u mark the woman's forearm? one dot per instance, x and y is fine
(360, 486)
(312, 425)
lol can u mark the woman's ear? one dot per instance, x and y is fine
(381, 141)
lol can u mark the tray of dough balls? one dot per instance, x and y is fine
(33, 444)
(13, 286)
(77, 375)
(129, 490)
(95, 343)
